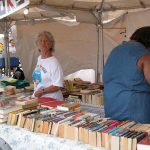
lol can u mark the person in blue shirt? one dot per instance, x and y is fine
(126, 79)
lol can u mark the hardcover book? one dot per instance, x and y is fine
(144, 144)
(68, 106)
(42, 100)
(52, 104)
(25, 100)
(5, 110)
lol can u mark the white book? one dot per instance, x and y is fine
(3, 116)
(143, 147)
(2, 120)
(68, 106)
(24, 100)
(144, 144)
(7, 109)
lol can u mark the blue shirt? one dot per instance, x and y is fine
(126, 92)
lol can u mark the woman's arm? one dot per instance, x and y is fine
(49, 89)
(144, 64)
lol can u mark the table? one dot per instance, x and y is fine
(22, 139)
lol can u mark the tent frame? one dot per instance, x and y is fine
(96, 12)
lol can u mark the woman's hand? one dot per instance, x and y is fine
(38, 93)
(49, 89)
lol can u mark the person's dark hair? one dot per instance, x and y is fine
(142, 35)
(19, 74)
(10, 40)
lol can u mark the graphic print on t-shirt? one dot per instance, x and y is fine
(37, 74)
(37, 78)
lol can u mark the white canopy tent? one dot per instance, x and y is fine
(78, 46)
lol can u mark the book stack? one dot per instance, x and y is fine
(123, 136)
(27, 102)
(93, 109)
(94, 97)
(5, 110)
(29, 88)
(79, 125)
(49, 102)
(68, 106)
(7, 100)
(85, 91)
(77, 84)
(9, 90)
(7, 104)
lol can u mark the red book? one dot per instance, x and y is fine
(52, 104)
(144, 144)
(114, 124)
(42, 100)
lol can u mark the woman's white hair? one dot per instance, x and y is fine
(50, 38)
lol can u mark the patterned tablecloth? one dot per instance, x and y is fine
(22, 139)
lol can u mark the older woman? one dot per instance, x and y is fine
(48, 74)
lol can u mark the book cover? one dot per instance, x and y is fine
(144, 144)
(2, 120)
(30, 106)
(68, 106)
(9, 108)
(52, 104)
(26, 100)
(42, 100)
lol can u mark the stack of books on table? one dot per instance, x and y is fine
(93, 109)
(68, 106)
(27, 102)
(9, 90)
(5, 110)
(78, 85)
(79, 125)
(60, 105)
(7, 104)
(87, 96)
(49, 102)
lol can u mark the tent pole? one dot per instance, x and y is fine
(102, 52)
(100, 20)
(98, 52)
(6, 48)
(98, 15)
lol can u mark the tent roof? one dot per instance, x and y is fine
(55, 8)
(109, 5)
(83, 10)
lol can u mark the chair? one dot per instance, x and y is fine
(14, 62)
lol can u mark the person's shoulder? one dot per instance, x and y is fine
(146, 57)
(55, 62)
(39, 57)
(54, 59)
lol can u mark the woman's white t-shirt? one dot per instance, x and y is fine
(48, 72)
